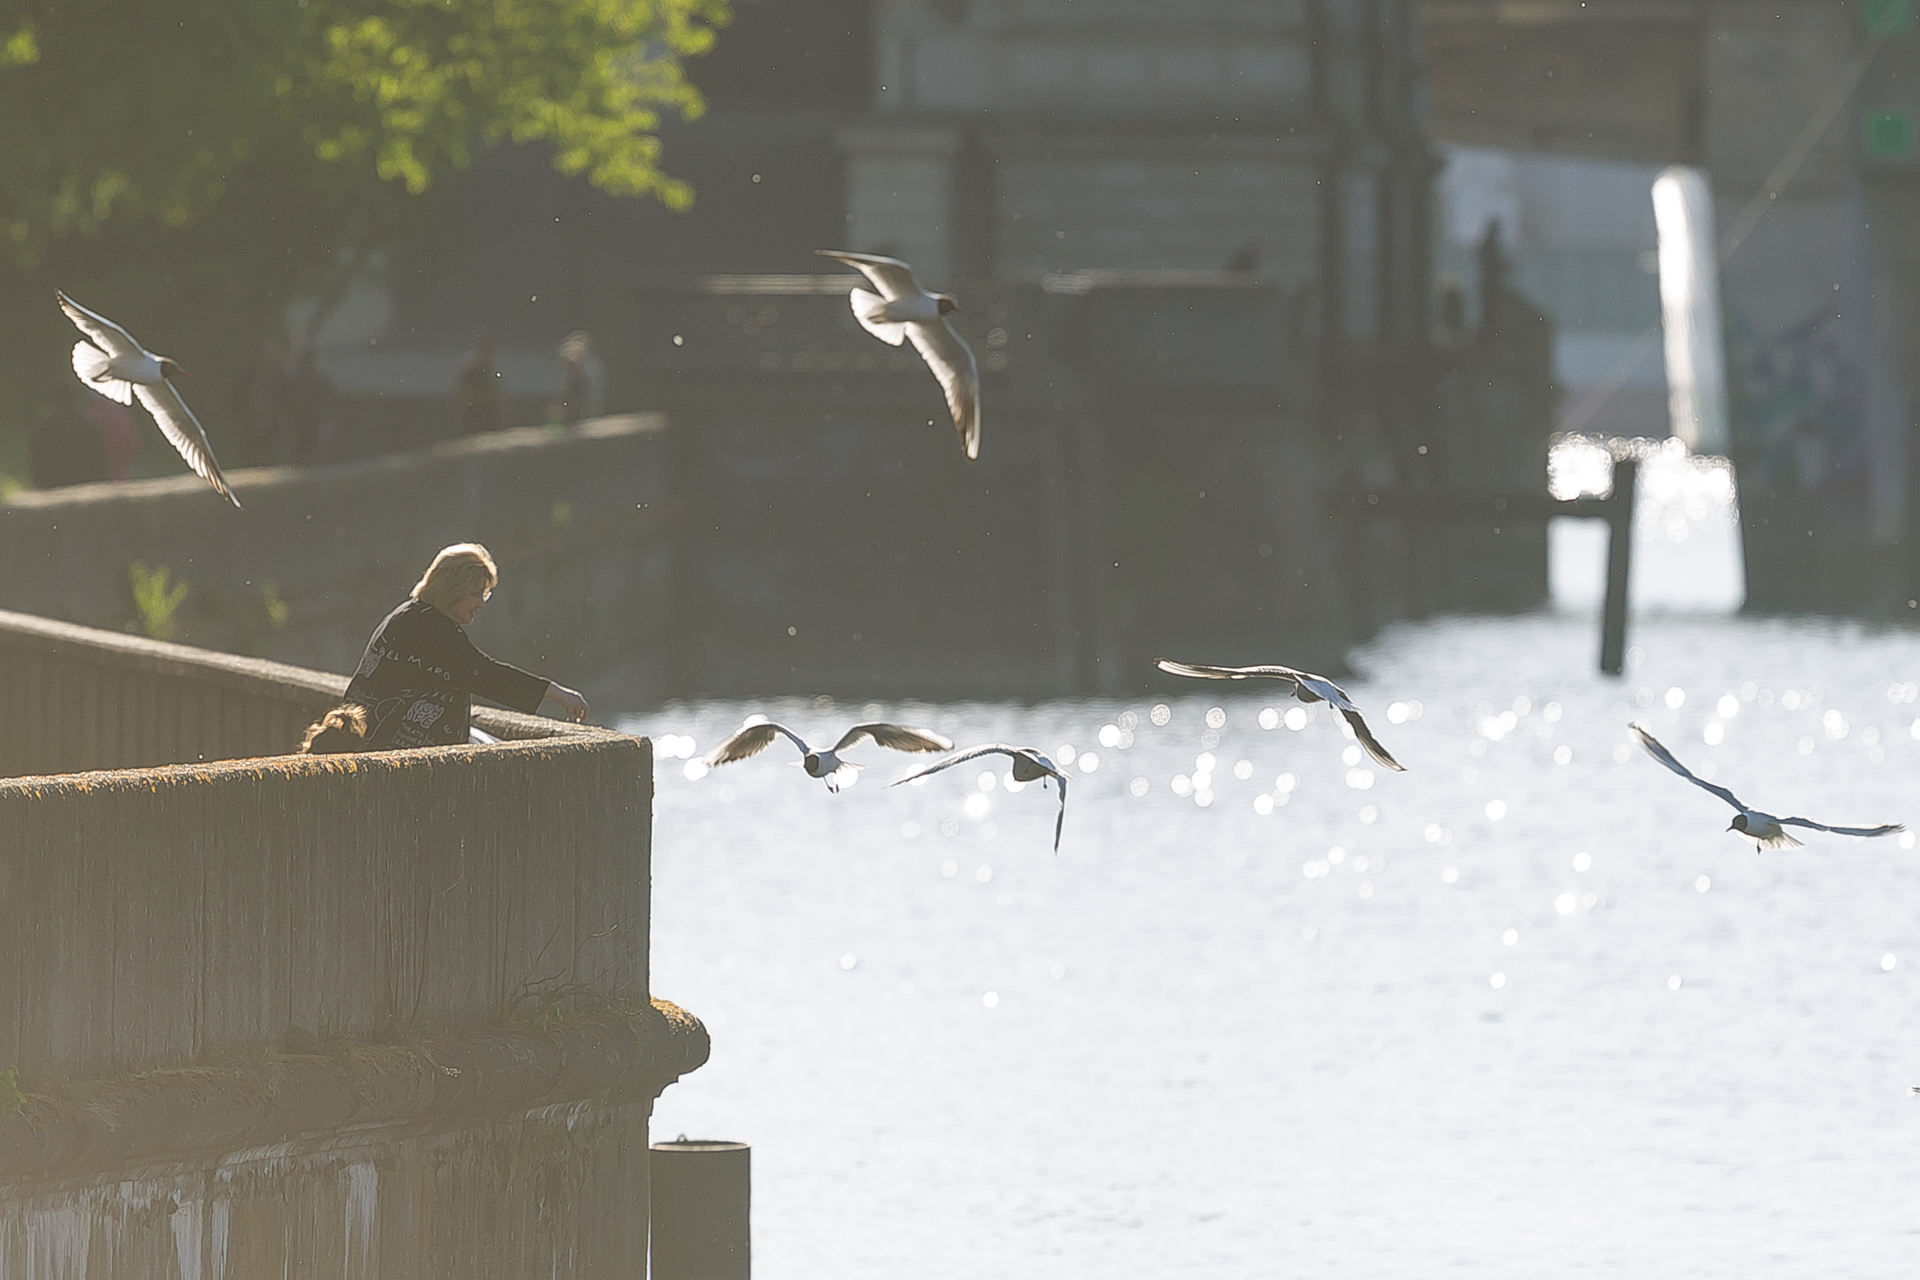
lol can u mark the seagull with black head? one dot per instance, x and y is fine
(824, 762)
(1307, 687)
(116, 366)
(1764, 829)
(1029, 765)
(903, 311)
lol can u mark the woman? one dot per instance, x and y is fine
(420, 670)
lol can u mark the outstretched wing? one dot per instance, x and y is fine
(865, 308)
(751, 741)
(1200, 671)
(1665, 757)
(102, 332)
(95, 368)
(1371, 743)
(892, 277)
(951, 360)
(959, 757)
(184, 432)
(1884, 829)
(894, 737)
(1060, 821)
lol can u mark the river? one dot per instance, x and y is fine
(1526, 1009)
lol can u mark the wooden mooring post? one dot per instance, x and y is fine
(1613, 616)
(702, 1210)
(1495, 509)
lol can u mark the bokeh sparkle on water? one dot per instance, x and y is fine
(1311, 1026)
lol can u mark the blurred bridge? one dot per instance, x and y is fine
(1802, 115)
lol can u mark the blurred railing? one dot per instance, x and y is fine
(75, 699)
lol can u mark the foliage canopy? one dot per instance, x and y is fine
(155, 108)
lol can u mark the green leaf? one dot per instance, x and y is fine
(21, 48)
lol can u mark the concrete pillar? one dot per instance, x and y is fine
(1812, 296)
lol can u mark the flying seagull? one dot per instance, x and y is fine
(1028, 766)
(826, 765)
(902, 310)
(1762, 828)
(1307, 687)
(116, 366)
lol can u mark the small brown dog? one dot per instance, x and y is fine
(341, 730)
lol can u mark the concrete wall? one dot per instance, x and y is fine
(1149, 478)
(158, 914)
(1157, 452)
(366, 1015)
(550, 1192)
(576, 518)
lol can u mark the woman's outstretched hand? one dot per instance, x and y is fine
(568, 700)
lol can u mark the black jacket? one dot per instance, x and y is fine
(418, 676)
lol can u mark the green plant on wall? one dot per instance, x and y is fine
(277, 608)
(11, 1099)
(154, 601)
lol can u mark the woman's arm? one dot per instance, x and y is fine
(481, 675)
(568, 700)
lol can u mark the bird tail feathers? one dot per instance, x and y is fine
(866, 306)
(90, 363)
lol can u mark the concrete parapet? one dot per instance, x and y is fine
(367, 1015)
(154, 915)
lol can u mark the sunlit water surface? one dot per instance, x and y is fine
(1524, 1010)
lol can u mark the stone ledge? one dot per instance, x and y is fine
(257, 481)
(281, 1096)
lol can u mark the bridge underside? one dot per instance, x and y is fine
(1797, 116)
(1608, 79)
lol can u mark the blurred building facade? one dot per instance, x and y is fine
(1194, 247)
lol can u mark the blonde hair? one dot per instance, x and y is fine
(342, 729)
(458, 570)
